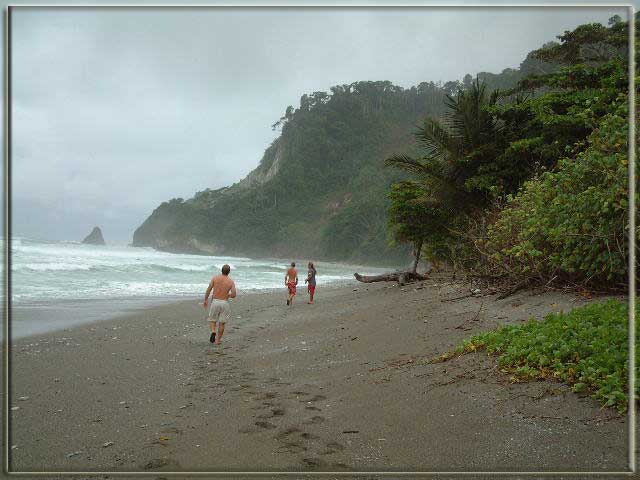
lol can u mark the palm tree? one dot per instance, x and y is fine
(455, 148)
(453, 151)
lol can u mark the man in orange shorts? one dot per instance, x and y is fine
(291, 280)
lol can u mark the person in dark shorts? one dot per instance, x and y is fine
(311, 282)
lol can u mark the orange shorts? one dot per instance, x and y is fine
(292, 288)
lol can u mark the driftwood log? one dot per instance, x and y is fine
(401, 277)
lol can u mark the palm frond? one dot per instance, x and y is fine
(407, 164)
(438, 142)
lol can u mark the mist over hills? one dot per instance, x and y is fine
(320, 189)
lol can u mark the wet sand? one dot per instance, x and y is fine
(339, 386)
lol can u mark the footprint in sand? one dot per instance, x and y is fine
(288, 431)
(265, 425)
(162, 463)
(333, 447)
(314, 420)
(292, 448)
(311, 407)
(312, 462)
(292, 439)
(266, 396)
(276, 412)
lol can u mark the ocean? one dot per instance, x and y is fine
(55, 285)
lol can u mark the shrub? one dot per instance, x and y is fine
(571, 223)
(586, 348)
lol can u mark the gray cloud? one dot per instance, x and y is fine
(117, 110)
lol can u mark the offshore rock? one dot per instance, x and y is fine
(95, 237)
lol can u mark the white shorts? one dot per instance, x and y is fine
(219, 311)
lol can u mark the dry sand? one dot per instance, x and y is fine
(339, 386)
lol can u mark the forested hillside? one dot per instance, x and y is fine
(530, 184)
(320, 189)
(564, 223)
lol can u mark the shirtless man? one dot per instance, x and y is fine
(291, 280)
(223, 289)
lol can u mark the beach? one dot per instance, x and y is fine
(344, 385)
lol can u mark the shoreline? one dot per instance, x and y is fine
(342, 385)
(62, 314)
(391, 265)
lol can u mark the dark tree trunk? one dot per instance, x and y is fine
(416, 253)
(401, 277)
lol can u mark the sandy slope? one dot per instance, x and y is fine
(342, 385)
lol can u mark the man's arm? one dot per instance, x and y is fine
(232, 291)
(206, 295)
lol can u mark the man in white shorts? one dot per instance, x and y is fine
(223, 289)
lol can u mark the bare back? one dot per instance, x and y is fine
(223, 287)
(292, 275)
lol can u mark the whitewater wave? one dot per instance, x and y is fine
(122, 267)
(44, 267)
(64, 270)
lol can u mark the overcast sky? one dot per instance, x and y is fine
(118, 110)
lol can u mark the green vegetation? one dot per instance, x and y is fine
(572, 221)
(453, 180)
(518, 176)
(586, 348)
(530, 185)
(319, 190)
(533, 179)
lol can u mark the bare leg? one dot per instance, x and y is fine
(311, 292)
(220, 332)
(212, 338)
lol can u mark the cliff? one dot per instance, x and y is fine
(320, 189)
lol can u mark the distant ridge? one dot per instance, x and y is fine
(320, 189)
